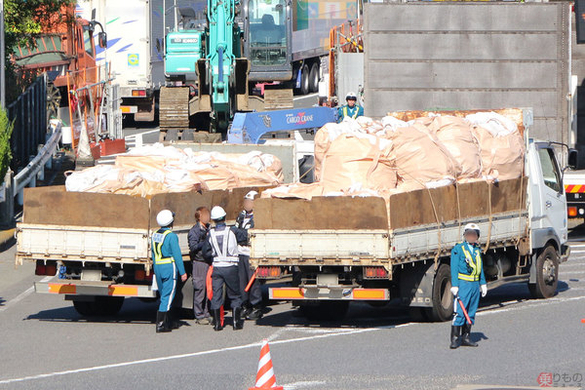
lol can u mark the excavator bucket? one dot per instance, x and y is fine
(245, 102)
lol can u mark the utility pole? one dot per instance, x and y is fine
(2, 57)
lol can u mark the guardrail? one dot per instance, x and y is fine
(36, 167)
(29, 113)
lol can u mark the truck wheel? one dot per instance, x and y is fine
(305, 87)
(314, 78)
(442, 309)
(326, 311)
(84, 308)
(102, 306)
(547, 274)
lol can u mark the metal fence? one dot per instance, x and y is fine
(29, 113)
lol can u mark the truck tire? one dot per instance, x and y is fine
(305, 87)
(547, 274)
(314, 78)
(326, 311)
(442, 309)
(102, 306)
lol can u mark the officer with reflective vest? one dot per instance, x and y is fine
(223, 246)
(351, 109)
(468, 281)
(167, 263)
(252, 299)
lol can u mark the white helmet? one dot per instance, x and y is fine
(251, 195)
(471, 226)
(217, 213)
(351, 95)
(165, 218)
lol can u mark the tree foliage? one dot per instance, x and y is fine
(5, 133)
(24, 21)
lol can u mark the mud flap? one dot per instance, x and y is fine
(416, 285)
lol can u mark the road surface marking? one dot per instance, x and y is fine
(505, 305)
(276, 342)
(193, 354)
(23, 294)
(301, 385)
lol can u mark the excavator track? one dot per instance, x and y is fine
(173, 109)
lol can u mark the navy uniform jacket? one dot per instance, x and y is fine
(462, 269)
(197, 237)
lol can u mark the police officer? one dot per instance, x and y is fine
(252, 300)
(197, 237)
(351, 109)
(222, 244)
(467, 280)
(167, 262)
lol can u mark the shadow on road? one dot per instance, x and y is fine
(134, 311)
(363, 315)
(7, 245)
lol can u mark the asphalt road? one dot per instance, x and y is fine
(46, 344)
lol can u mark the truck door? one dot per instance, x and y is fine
(552, 193)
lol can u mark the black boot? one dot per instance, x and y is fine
(161, 323)
(216, 314)
(173, 317)
(256, 313)
(465, 340)
(246, 310)
(237, 317)
(455, 333)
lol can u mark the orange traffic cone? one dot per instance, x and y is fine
(265, 379)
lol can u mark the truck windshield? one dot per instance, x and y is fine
(267, 32)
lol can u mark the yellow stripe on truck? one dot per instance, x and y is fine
(122, 290)
(370, 294)
(287, 293)
(59, 288)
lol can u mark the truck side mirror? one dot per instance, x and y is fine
(103, 40)
(572, 159)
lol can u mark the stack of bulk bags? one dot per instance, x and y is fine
(157, 169)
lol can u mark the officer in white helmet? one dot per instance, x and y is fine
(168, 264)
(223, 246)
(468, 282)
(350, 109)
(252, 299)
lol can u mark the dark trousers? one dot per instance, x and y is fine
(254, 296)
(200, 303)
(229, 277)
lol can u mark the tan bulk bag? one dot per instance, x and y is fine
(457, 137)
(502, 156)
(362, 161)
(419, 157)
(501, 143)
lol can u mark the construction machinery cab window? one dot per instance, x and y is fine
(87, 37)
(550, 171)
(267, 33)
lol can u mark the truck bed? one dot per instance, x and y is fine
(406, 227)
(107, 228)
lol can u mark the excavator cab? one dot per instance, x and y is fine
(184, 46)
(267, 40)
